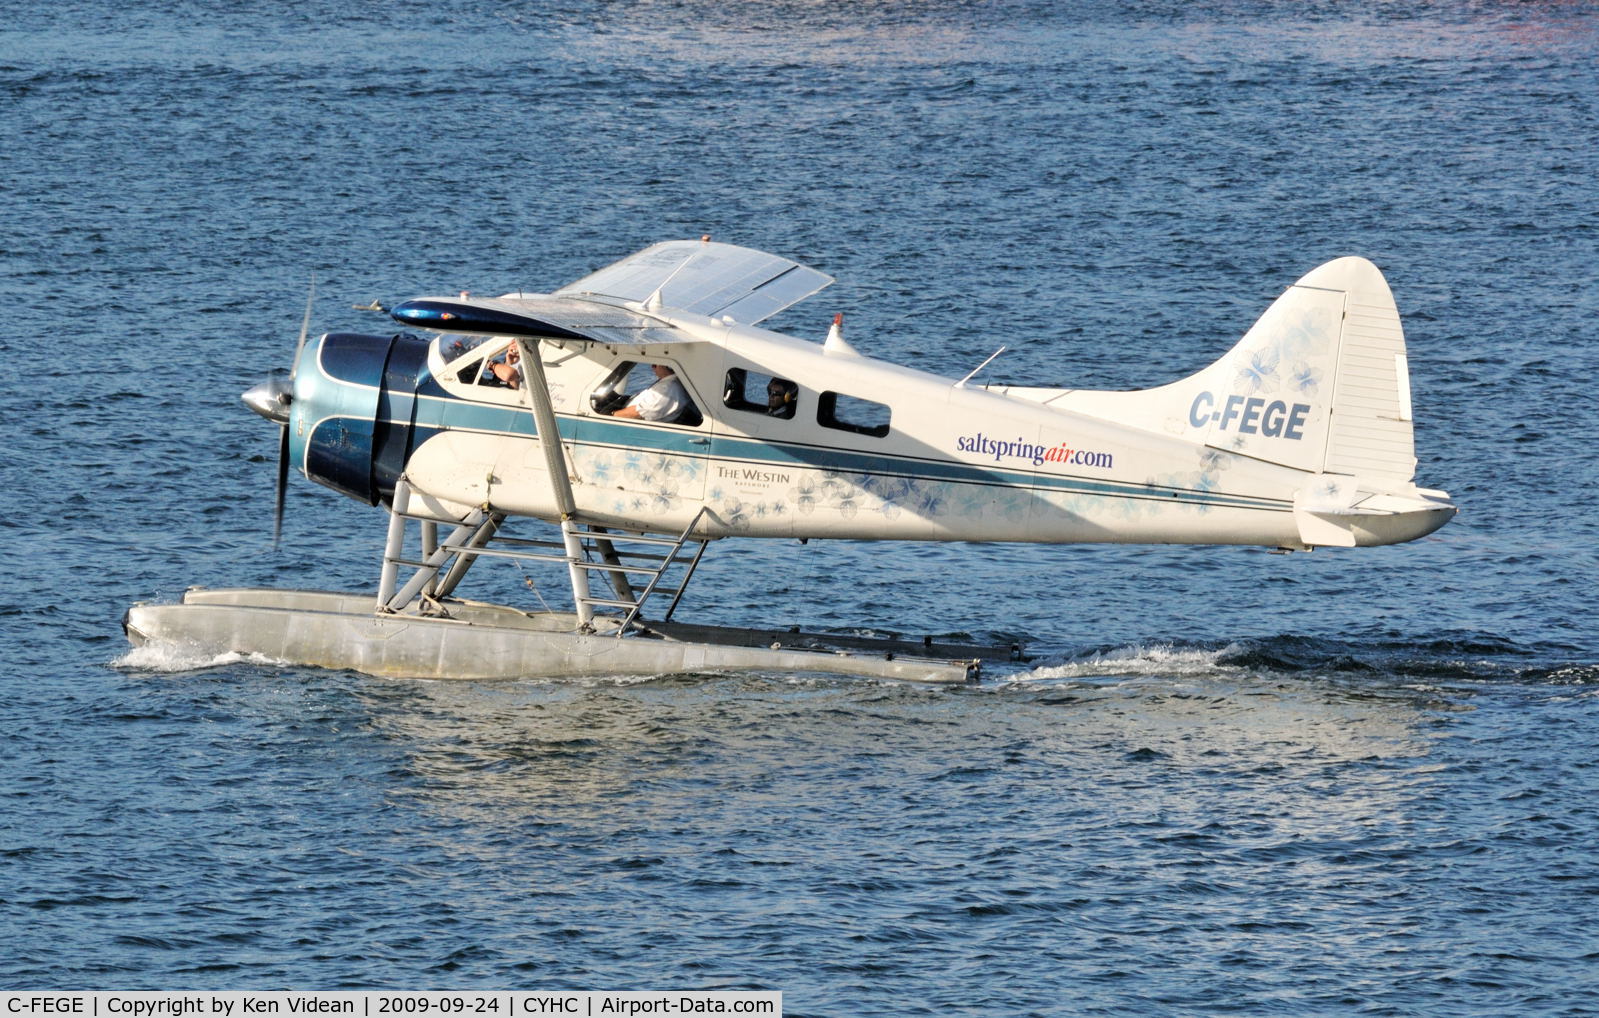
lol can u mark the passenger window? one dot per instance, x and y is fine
(848, 413)
(755, 393)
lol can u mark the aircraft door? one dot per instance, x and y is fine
(641, 444)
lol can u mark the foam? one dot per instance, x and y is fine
(1139, 660)
(165, 657)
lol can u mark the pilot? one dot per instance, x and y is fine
(780, 396)
(509, 370)
(664, 401)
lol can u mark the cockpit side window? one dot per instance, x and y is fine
(755, 393)
(612, 394)
(646, 391)
(481, 360)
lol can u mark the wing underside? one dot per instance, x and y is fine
(560, 317)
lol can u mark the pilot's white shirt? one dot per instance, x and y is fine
(662, 401)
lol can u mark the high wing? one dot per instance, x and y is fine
(560, 317)
(698, 276)
(711, 279)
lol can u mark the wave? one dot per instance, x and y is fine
(164, 657)
(1449, 658)
(1140, 659)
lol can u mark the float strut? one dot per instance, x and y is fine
(396, 542)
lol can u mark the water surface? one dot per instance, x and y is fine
(1231, 783)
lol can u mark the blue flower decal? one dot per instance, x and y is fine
(1260, 374)
(1306, 378)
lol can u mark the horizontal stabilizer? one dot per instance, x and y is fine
(1336, 511)
(746, 285)
(1317, 530)
(1322, 510)
(557, 317)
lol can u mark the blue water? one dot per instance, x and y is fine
(1232, 783)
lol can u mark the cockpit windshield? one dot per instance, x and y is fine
(452, 348)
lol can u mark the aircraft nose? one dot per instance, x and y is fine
(271, 398)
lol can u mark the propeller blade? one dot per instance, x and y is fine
(305, 327)
(283, 484)
(271, 399)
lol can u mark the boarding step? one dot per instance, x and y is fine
(614, 553)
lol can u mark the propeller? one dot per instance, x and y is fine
(272, 399)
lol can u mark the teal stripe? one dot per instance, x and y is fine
(517, 422)
(944, 470)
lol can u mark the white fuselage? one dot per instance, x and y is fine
(954, 463)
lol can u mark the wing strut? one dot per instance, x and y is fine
(537, 391)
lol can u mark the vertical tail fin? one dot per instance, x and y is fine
(1320, 383)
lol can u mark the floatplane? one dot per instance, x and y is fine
(642, 414)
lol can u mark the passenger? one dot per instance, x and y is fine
(665, 401)
(780, 396)
(509, 370)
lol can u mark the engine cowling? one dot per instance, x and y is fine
(351, 421)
